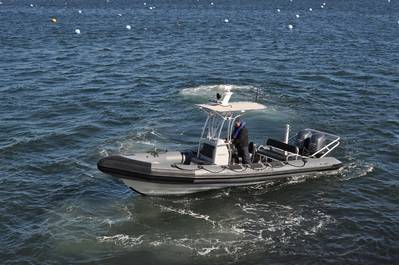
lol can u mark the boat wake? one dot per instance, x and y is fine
(122, 240)
(137, 141)
(248, 228)
(209, 91)
(189, 213)
(355, 170)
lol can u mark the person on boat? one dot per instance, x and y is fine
(240, 140)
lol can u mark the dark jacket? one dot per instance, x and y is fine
(242, 138)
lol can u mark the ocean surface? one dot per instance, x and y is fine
(69, 99)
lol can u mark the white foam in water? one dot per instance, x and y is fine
(140, 141)
(206, 251)
(211, 3)
(77, 31)
(122, 240)
(296, 180)
(156, 243)
(145, 3)
(136, 145)
(120, 15)
(128, 212)
(125, 216)
(1, 3)
(368, 170)
(128, 27)
(189, 213)
(281, 218)
(185, 243)
(104, 152)
(355, 170)
(242, 234)
(210, 90)
(153, 132)
(237, 230)
(204, 246)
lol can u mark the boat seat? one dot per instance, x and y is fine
(280, 151)
(282, 146)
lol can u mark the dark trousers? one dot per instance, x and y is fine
(243, 152)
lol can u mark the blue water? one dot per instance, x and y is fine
(69, 99)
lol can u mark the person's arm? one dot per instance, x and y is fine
(234, 141)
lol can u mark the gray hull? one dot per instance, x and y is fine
(159, 176)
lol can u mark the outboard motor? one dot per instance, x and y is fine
(302, 141)
(317, 142)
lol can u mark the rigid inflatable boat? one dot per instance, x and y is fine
(212, 163)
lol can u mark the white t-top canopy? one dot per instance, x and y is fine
(233, 106)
